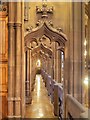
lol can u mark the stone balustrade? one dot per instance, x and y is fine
(86, 114)
(74, 109)
(55, 90)
(53, 82)
(58, 100)
(48, 84)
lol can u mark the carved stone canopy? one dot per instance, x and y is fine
(45, 29)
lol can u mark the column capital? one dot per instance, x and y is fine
(12, 24)
(14, 99)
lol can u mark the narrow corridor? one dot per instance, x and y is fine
(41, 106)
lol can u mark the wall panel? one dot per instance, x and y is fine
(3, 62)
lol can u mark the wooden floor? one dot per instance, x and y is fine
(41, 106)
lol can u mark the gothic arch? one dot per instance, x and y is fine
(46, 29)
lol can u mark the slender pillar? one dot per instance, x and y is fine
(59, 66)
(89, 58)
(46, 64)
(77, 53)
(28, 78)
(54, 58)
(30, 74)
(23, 66)
(50, 67)
(56, 63)
(18, 70)
(11, 63)
(84, 70)
(18, 29)
(11, 76)
(15, 60)
(73, 55)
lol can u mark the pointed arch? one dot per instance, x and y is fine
(45, 29)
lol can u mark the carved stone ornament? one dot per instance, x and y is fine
(44, 10)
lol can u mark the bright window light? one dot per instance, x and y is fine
(85, 53)
(38, 63)
(85, 43)
(86, 81)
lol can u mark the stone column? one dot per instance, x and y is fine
(73, 52)
(18, 30)
(30, 74)
(54, 60)
(83, 51)
(77, 51)
(23, 65)
(18, 71)
(50, 67)
(46, 65)
(28, 78)
(56, 63)
(59, 66)
(89, 59)
(11, 61)
(15, 73)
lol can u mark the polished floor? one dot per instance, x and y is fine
(41, 106)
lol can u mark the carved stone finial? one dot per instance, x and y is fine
(44, 10)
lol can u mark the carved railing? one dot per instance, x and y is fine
(58, 100)
(85, 115)
(55, 91)
(53, 82)
(73, 108)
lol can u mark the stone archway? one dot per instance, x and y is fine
(49, 54)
